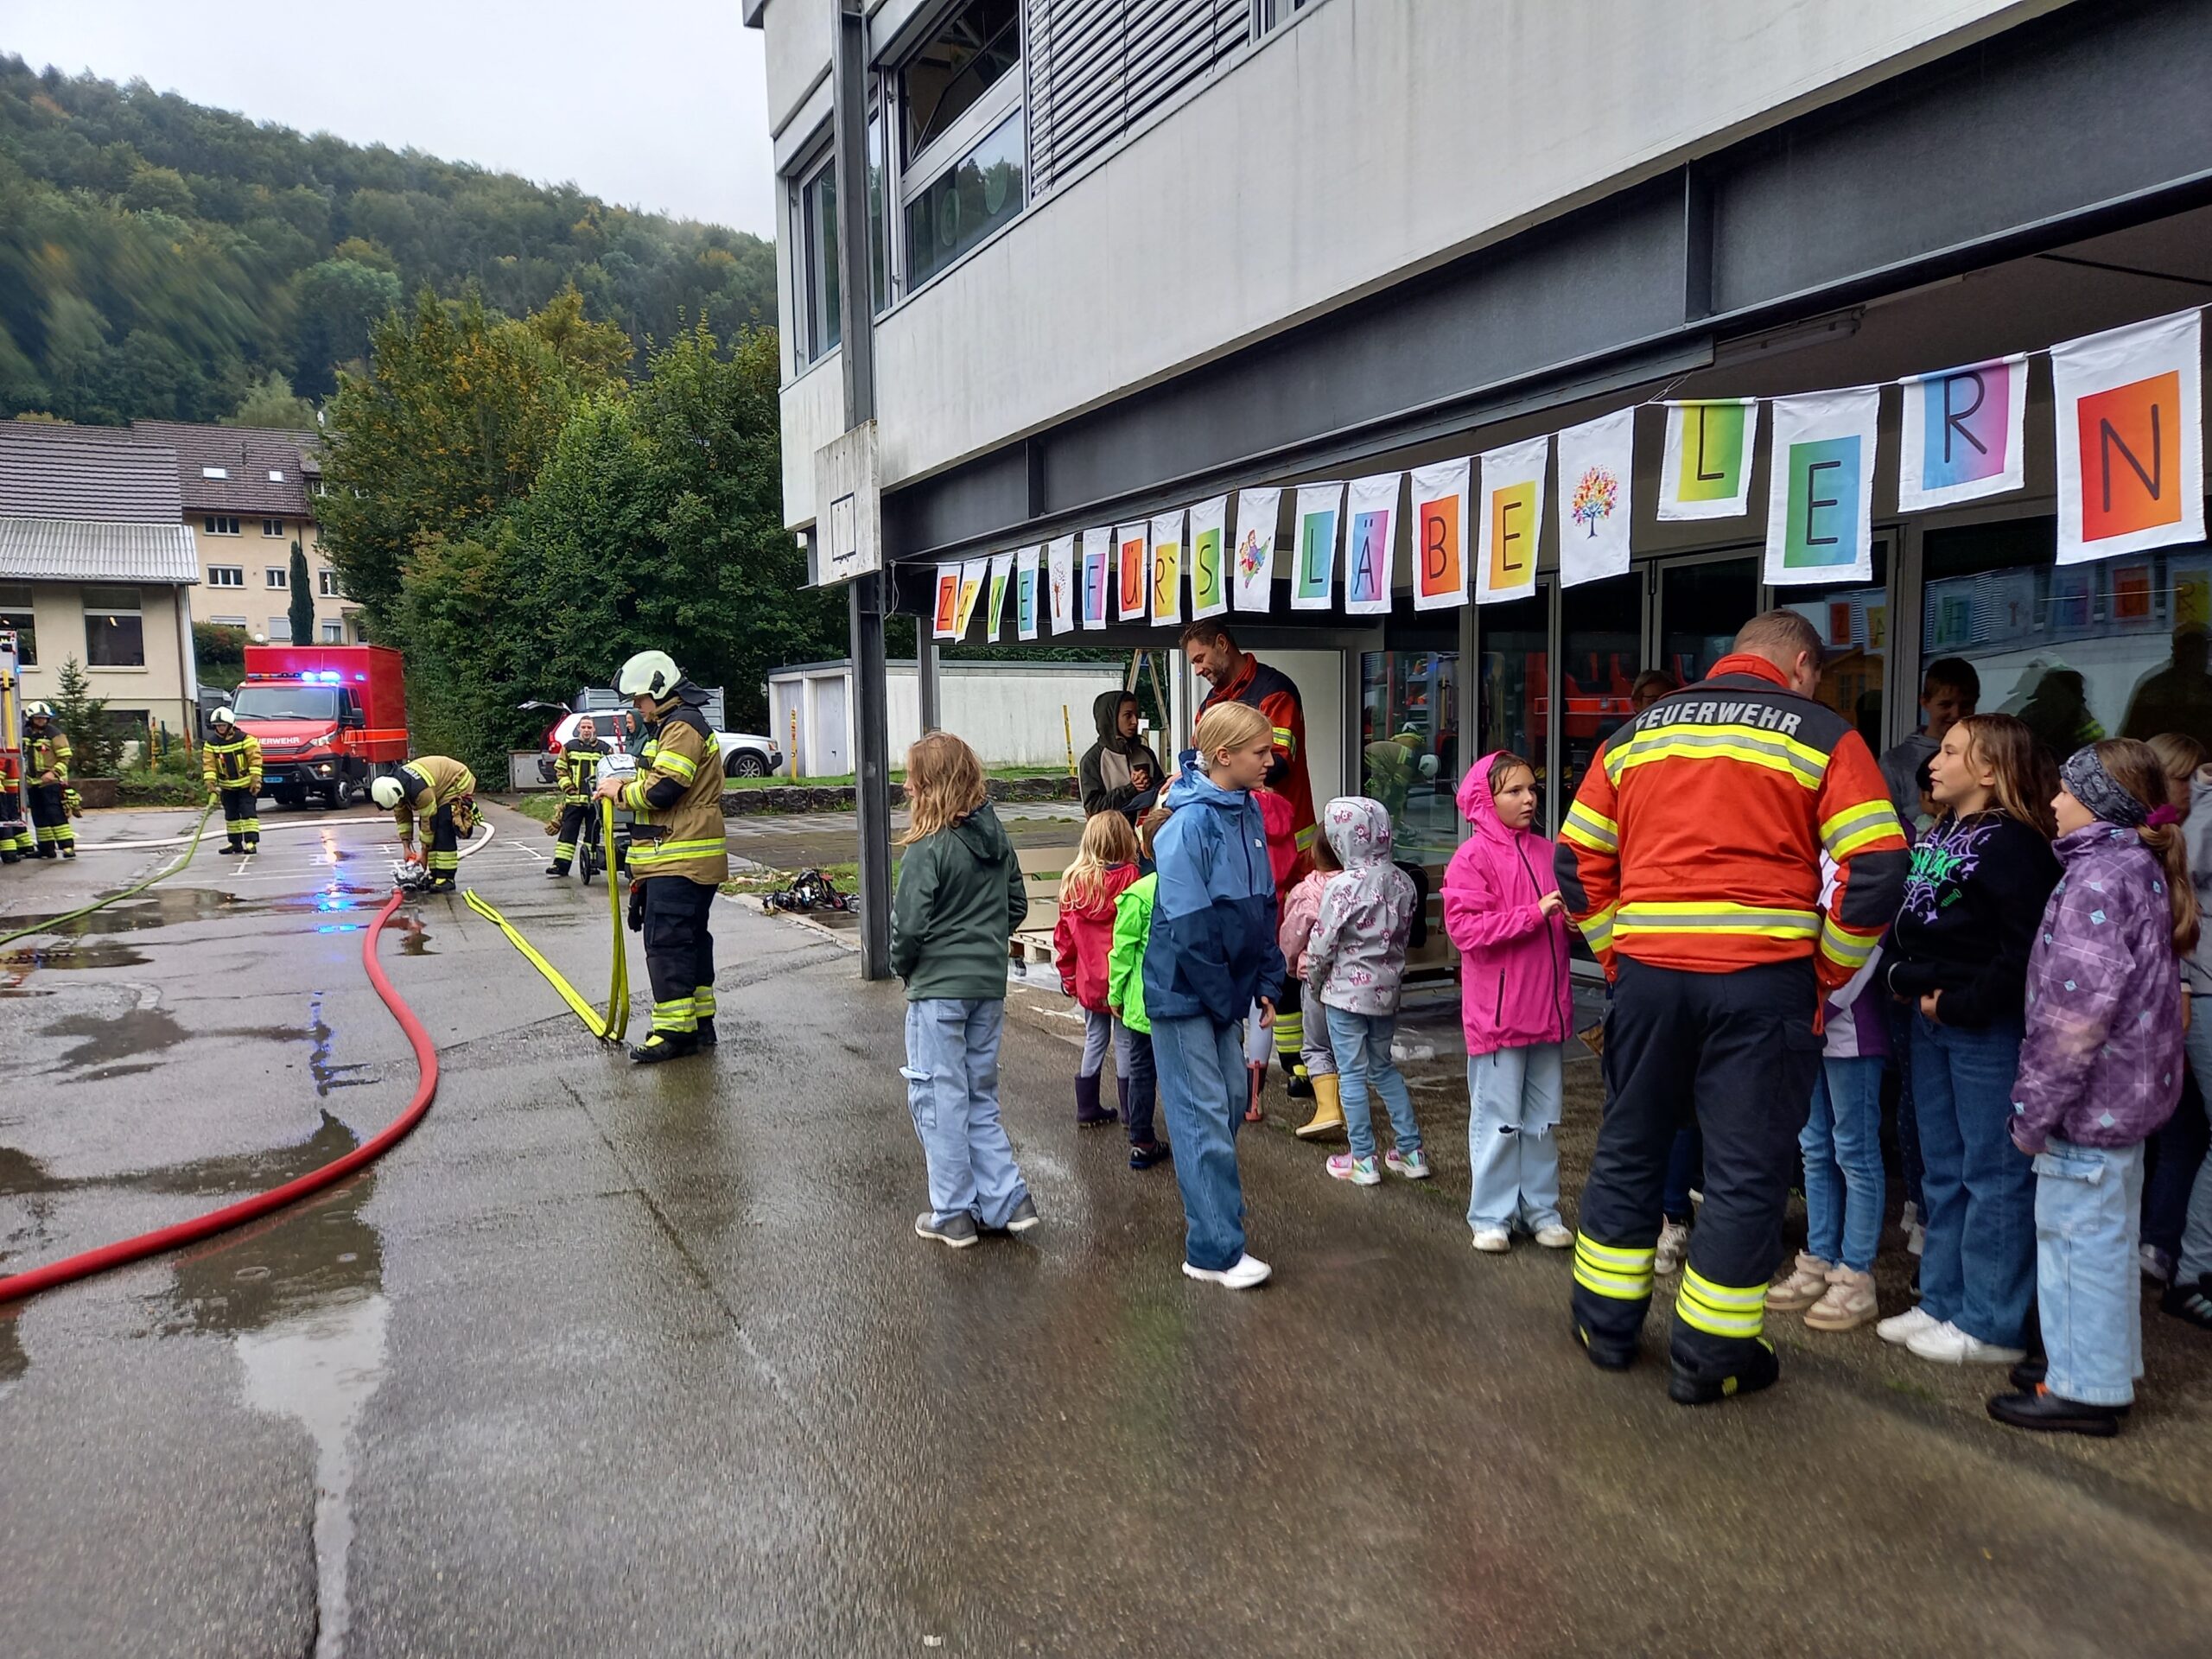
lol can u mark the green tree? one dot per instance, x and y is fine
(335, 305)
(269, 401)
(95, 737)
(301, 611)
(219, 654)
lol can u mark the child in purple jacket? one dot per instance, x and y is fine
(2099, 1072)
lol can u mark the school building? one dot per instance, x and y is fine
(1128, 257)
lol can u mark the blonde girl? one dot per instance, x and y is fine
(1082, 944)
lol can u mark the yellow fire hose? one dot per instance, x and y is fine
(608, 1027)
(54, 923)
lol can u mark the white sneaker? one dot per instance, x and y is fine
(1947, 1345)
(1248, 1271)
(1901, 1328)
(1553, 1236)
(1673, 1245)
(1494, 1241)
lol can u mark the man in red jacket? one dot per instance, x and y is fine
(1239, 677)
(1691, 861)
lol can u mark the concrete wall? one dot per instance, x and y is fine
(1370, 140)
(158, 688)
(257, 601)
(1010, 715)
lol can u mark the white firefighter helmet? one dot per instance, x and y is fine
(224, 716)
(38, 711)
(387, 793)
(649, 674)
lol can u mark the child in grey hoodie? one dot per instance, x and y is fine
(1355, 966)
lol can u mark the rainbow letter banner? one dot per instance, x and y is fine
(1963, 435)
(1252, 580)
(1167, 570)
(1209, 557)
(1132, 562)
(1511, 521)
(1059, 557)
(1595, 462)
(2127, 405)
(1820, 515)
(1704, 471)
(1314, 578)
(995, 611)
(1025, 592)
(1098, 560)
(973, 574)
(1440, 534)
(1370, 540)
(948, 603)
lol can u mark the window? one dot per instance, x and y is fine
(227, 576)
(276, 475)
(818, 239)
(1410, 750)
(115, 635)
(969, 53)
(217, 525)
(276, 575)
(273, 528)
(321, 488)
(15, 613)
(333, 633)
(280, 630)
(286, 701)
(326, 584)
(957, 211)
(1265, 14)
(227, 621)
(215, 472)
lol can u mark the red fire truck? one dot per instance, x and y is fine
(330, 718)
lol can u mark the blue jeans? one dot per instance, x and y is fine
(1685, 1170)
(1361, 1043)
(1977, 1270)
(1202, 1086)
(1842, 1144)
(2086, 1272)
(952, 1089)
(1513, 1106)
(1141, 1083)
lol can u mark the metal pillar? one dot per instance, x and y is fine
(856, 321)
(926, 681)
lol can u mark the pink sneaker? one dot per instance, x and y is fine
(1360, 1172)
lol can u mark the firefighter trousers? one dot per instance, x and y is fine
(50, 820)
(242, 818)
(680, 952)
(1739, 1050)
(575, 822)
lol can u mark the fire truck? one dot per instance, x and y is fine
(330, 718)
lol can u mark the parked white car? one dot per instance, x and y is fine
(744, 754)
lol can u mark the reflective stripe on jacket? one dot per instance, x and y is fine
(578, 770)
(678, 791)
(234, 765)
(50, 754)
(437, 781)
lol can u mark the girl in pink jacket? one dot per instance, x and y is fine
(1502, 910)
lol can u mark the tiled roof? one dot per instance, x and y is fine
(52, 471)
(247, 454)
(88, 549)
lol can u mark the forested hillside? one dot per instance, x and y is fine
(159, 258)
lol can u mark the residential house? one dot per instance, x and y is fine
(96, 563)
(249, 494)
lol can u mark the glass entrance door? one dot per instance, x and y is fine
(1515, 703)
(1702, 602)
(1601, 652)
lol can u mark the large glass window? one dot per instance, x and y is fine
(966, 204)
(878, 246)
(1409, 748)
(1700, 607)
(1514, 700)
(15, 613)
(1853, 621)
(1601, 650)
(115, 634)
(970, 51)
(2117, 648)
(818, 274)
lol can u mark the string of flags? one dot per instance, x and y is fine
(2130, 462)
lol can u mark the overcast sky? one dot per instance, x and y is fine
(656, 103)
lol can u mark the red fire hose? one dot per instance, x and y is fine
(190, 1232)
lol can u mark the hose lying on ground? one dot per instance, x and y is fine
(189, 1232)
(610, 1026)
(54, 922)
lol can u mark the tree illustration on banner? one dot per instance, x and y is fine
(1060, 559)
(1596, 465)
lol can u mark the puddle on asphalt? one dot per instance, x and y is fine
(17, 965)
(161, 906)
(326, 1075)
(117, 1045)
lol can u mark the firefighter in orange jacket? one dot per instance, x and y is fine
(1691, 860)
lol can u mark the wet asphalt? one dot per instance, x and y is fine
(602, 1361)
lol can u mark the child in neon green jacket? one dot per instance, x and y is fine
(1134, 1077)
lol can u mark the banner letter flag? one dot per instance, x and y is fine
(1252, 586)
(1313, 578)
(1167, 570)
(995, 614)
(1060, 559)
(948, 603)
(1962, 434)
(1511, 522)
(1440, 534)
(1132, 565)
(1370, 540)
(1210, 557)
(1025, 593)
(973, 574)
(1706, 470)
(1820, 514)
(1595, 462)
(1097, 561)
(2127, 405)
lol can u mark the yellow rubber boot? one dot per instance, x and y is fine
(1328, 1109)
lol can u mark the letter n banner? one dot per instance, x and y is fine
(2127, 405)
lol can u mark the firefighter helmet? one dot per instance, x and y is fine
(38, 711)
(224, 716)
(649, 674)
(387, 791)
